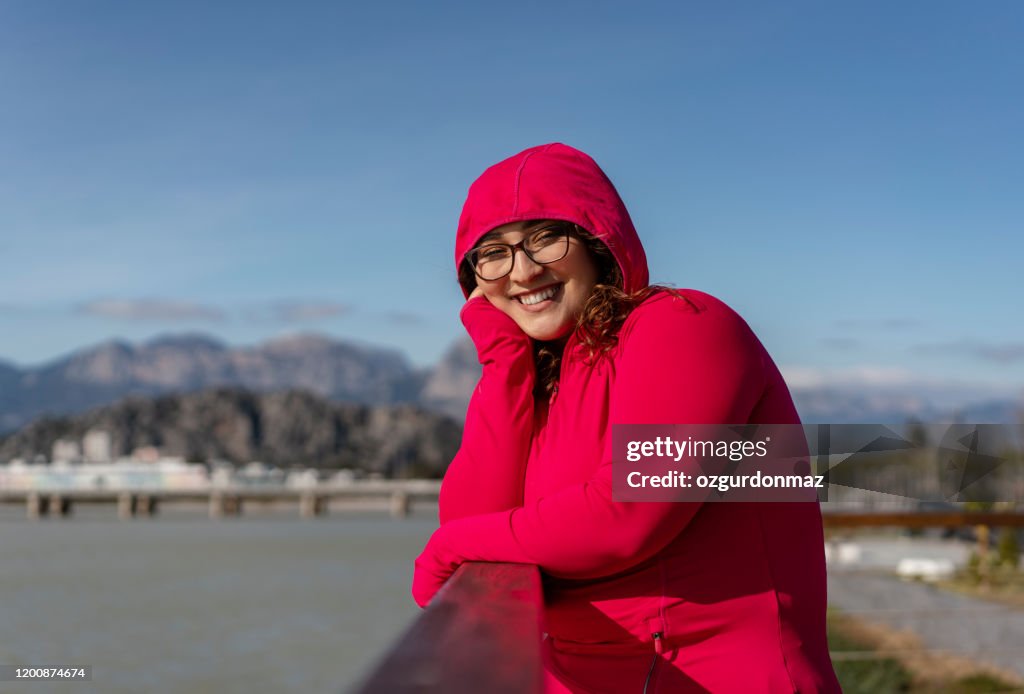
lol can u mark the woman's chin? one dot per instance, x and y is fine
(547, 333)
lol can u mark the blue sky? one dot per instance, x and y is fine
(848, 177)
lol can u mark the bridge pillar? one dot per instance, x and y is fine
(60, 505)
(223, 505)
(312, 505)
(127, 504)
(37, 505)
(401, 503)
(147, 505)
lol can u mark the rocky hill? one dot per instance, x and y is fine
(283, 428)
(449, 386)
(336, 370)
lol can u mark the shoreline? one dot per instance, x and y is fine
(200, 510)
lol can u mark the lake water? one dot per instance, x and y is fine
(267, 602)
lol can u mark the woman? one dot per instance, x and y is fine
(639, 597)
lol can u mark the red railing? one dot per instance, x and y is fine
(481, 633)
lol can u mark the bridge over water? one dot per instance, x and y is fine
(226, 500)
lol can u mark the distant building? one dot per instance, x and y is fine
(97, 447)
(146, 454)
(66, 449)
(166, 473)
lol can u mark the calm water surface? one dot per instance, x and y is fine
(180, 603)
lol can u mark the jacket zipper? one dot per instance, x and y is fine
(658, 648)
(554, 394)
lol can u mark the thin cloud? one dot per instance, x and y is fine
(405, 318)
(841, 344)
(150, 310)
(903, 323)
(887, 386)
(993, 352)
(854, 376)
(297, 311)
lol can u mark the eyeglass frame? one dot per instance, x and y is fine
(567, 232)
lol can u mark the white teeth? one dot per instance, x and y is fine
(537, 297)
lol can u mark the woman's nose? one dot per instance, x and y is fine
(523, 267)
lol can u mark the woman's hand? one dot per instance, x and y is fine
(434, 567)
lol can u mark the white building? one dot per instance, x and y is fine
(66, 449)
(97, 446)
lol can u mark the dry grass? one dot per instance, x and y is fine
(1011, 594)
(929, 669)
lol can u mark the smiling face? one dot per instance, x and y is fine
(544, 300)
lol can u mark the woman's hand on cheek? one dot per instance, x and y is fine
(485, 322)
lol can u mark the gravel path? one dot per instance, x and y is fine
(977, 629)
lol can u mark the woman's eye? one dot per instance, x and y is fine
(546, 236)
(491, 252)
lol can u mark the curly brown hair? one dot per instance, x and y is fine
(598, 324)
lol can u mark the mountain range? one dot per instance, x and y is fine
(346, 372)
(336, 370)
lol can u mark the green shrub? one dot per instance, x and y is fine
(977, 684)
(864, 676)
(1008, 549)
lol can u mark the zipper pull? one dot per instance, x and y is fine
(658, 648)
(554, 394)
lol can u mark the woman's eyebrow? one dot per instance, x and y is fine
(489, 236)
(533, 226)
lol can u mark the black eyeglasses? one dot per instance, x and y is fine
(548, 244)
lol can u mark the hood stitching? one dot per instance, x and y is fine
(515, 184)
(519, 175)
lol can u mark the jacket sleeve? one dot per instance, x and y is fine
(676, 365)
(487, 474)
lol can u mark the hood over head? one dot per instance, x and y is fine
(553, 181)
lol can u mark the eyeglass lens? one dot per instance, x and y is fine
(494, 261)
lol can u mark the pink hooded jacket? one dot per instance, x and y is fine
(731, 595)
